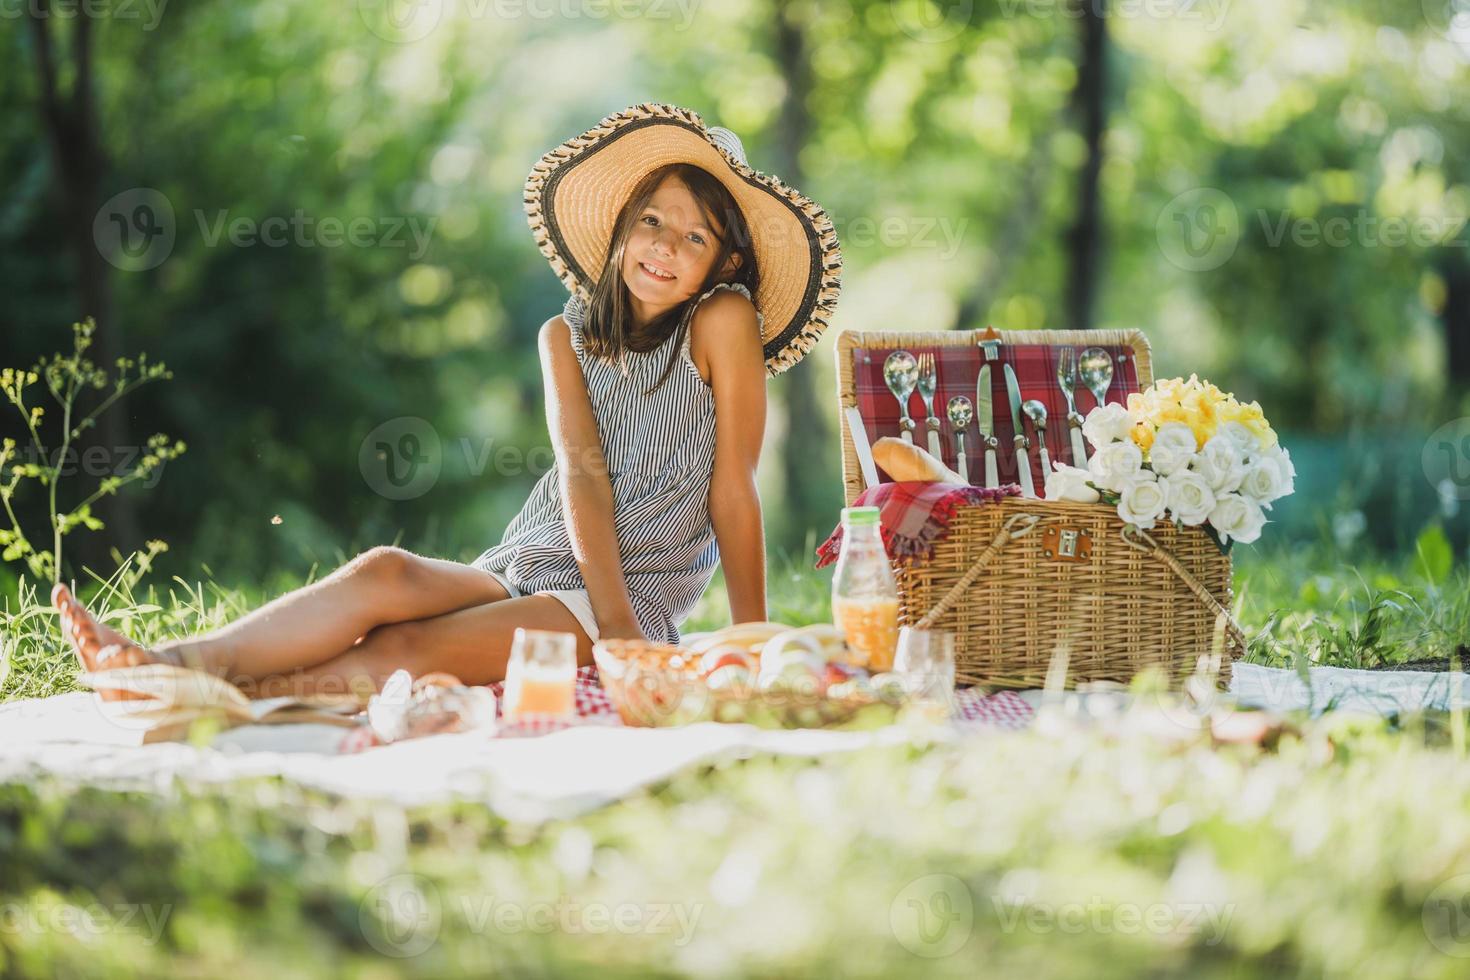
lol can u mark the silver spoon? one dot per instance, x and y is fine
(901, 374)
(1036, 412)
(1096, 370)
(961, 412)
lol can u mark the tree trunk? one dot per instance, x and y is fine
(70, 123)
(809, 440)
(1016, 230)
(1089, 108)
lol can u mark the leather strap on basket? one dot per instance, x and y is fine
(1134, 537)
(1016, 526)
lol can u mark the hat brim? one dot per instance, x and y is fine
(575, 191)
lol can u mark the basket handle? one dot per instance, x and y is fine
(1146, 542)
(1016, 526)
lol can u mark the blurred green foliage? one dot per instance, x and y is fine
(939, 137)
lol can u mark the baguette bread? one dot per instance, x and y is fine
(906, 462)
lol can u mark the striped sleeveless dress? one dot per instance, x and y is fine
(660, 452)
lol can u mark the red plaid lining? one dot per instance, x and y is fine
(958, 369)
(913, 515)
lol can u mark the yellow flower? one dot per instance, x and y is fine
(1143, 435)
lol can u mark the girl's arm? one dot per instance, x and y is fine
(586, 490)
(726, 334)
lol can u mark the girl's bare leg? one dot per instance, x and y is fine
(473, 644)
(307, 626)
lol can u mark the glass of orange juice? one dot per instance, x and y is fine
(541, 676)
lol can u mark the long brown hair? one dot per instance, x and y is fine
(609, 323)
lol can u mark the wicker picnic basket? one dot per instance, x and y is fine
(1025, 584)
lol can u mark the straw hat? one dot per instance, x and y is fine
(575, 191)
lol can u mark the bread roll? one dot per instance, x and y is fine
(904, 462)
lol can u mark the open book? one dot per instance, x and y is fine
(177, 697)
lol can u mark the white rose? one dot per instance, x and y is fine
(1190, 498)
(1173, 448)
(1114, 464)
(1266, 480)
(1221, 464)
(1238, 433)
(1069, 483)
(1282, 459)
(1143, 499)
(1236, 517)
(1106, 424)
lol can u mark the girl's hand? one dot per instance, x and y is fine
(628, 630)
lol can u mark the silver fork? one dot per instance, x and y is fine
(928, 383)
(1067, 381)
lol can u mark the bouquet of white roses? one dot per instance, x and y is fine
(1185, 451)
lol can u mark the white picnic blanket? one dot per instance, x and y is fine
(1381, 692)
(525, 779)
(559, 774)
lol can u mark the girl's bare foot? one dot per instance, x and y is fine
(98, 647)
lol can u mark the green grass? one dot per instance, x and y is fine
(1343, 849)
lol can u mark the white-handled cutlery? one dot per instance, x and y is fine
(961, 413)
(864, 451)
(901, 374)
(928, 382)
(1036, 412)
(904, 374)
(985, 422)
(1023, 458)
(1067, 381)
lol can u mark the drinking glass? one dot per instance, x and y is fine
(541, 676)
(925, 661)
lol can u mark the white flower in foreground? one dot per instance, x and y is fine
(1236, 517)
(1173, 448)
(1190, 498)
(1282, 459)
(1221, 464)
(1113, 464)
(1266, 480)
(1107, 424)
(1069, 483)
(1143, 499)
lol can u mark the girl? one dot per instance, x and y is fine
(655, 400)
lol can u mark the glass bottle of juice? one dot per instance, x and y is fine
(864, 592)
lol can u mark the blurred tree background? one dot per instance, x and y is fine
(1183, 166)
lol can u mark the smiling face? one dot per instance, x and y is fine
(669, 250)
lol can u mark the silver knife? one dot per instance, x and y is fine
(1023, 458)
(985, 421)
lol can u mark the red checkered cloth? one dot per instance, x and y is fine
(1003, 709)
(958, 369)
(593, 708)
(972, 709)
(914, 515)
